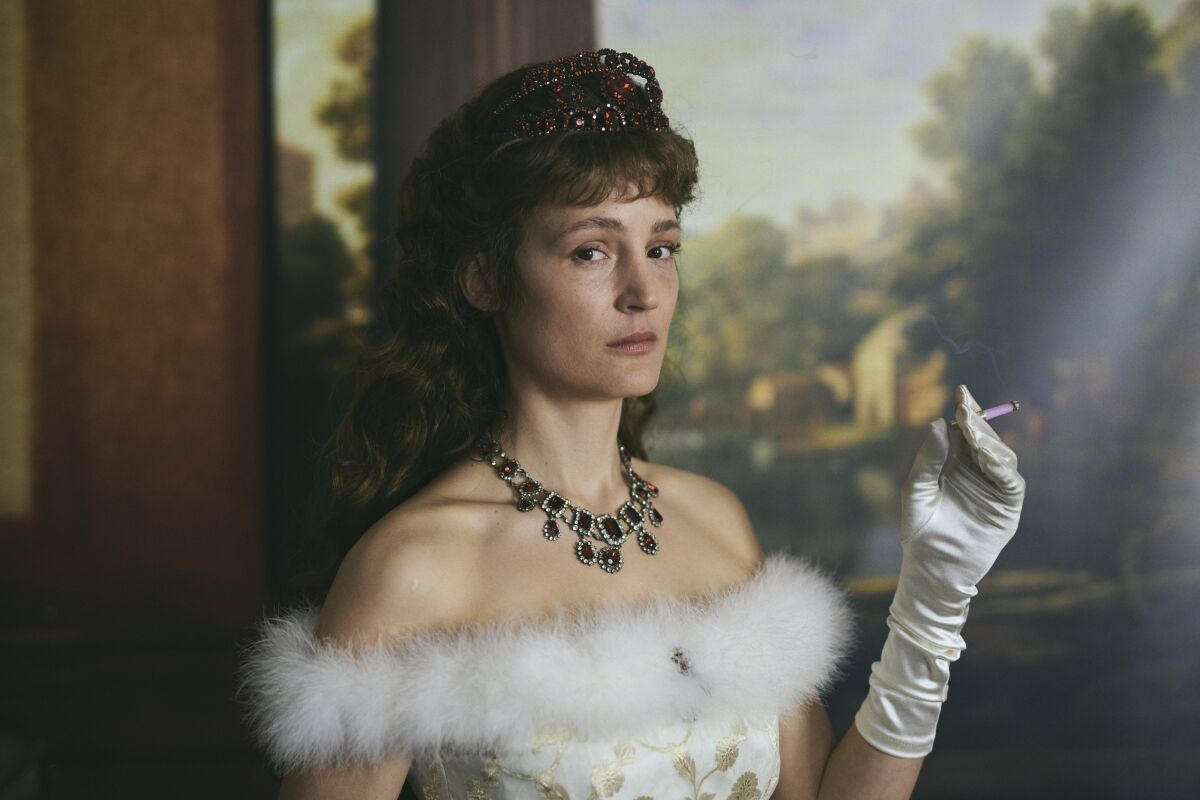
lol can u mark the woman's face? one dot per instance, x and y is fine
(593, 275)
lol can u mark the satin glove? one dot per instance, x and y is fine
(956, 516)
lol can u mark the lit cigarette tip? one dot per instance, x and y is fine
(995, 411)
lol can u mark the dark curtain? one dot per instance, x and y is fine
(434, 56)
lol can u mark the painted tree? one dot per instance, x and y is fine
(1042, 173)
(346, 112)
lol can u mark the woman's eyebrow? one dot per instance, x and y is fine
(612, 223)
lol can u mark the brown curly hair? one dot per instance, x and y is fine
(425, 394)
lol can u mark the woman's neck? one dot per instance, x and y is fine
(572, 451)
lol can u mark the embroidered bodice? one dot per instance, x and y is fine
(667, 698)
(677, 760)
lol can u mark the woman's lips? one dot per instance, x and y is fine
(637, 343)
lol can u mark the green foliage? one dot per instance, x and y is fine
(1043, 171)
(316, 265)
(749, 310)
(978, 101)
(357, 200)
(1071, 241)
(745, 246)
(1037, 168)
(346, 112)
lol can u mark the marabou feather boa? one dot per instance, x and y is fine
(753, 650)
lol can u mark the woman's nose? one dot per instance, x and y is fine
(641, 285)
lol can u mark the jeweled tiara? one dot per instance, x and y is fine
(569, 103)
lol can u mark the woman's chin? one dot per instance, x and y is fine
(634, 388)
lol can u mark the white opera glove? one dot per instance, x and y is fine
(956, 516)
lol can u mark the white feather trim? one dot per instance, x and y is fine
(755, 650)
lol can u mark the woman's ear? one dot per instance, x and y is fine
(475, 284)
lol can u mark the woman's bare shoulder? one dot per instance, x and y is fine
(409, 571)
(709, 505)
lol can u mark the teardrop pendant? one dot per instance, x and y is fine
(647, 542)
(585, 552)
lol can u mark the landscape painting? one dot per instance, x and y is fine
(901, 197)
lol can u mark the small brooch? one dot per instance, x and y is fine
(679, 658)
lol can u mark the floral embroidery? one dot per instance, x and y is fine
(433, 786)
(549, 789)
(608, 778)
(773, 735)
(477, 790)
(727, 752)
(746, 788)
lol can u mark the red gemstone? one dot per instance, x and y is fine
(555, 502)
(564, 94)
(550, 530)
(612, 528)
(620, 88)
(647, 542)
(655, 517)
(611, 557)
(611, 118)
(508, 468)
(583, 521)
(586, 551)
(654, 90)
(529, 486)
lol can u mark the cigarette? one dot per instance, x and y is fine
(995, 411)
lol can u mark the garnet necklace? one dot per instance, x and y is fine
(604, 528)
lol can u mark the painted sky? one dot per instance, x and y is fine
(788, 103)
(797, 103)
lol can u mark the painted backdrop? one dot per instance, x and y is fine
(901, 197)
(896, 198)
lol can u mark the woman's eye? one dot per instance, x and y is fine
(585, 253)
(672, 249)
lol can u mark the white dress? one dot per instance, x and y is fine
(666, 698)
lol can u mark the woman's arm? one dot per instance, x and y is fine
(397, 579)
(383, 780)
(961, 505)
(812, 768)
(858, 771)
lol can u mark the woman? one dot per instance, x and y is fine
(638, 643)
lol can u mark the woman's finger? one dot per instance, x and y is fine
(990, 455)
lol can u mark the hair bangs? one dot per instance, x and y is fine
(587, 168)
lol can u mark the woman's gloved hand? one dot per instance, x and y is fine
(957, 514)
